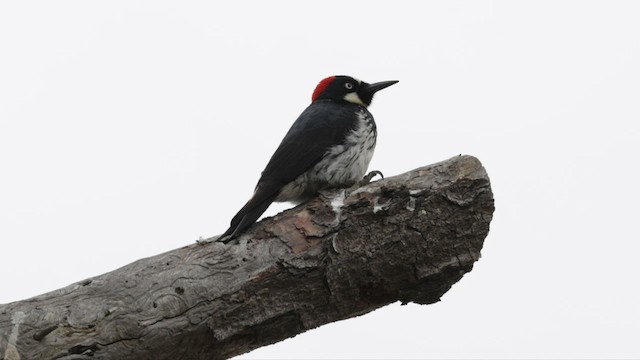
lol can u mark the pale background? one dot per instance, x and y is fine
(130, 128)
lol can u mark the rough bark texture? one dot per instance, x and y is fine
(408, 238)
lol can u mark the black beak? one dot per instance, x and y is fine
(373, 88)
(367, 90)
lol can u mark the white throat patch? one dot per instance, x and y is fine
(353, 97)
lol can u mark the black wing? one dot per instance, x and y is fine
(321, 126)
(318, 128)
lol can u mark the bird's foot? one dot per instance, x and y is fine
(367, 178)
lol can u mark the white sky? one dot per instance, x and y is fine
(129, 128)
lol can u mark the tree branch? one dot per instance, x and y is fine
(408, 238)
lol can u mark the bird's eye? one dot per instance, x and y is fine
(349, 86)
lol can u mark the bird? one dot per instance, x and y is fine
(330, 145)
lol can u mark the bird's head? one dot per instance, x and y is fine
(345, 88)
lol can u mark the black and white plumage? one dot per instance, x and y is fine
(329, 145)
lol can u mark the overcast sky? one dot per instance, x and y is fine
(130, 128)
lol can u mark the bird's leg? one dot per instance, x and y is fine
(367, 178)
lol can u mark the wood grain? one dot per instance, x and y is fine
(408, 238)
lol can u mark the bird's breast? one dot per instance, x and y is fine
(342, 164)
(346, 163)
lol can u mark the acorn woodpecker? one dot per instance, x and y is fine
(329, 145)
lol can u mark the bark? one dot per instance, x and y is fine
(408, 238)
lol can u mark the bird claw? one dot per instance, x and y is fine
(367, 178)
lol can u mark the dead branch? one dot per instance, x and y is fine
(408, 238)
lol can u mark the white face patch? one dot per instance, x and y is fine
(353, 97)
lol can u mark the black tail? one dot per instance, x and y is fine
(249, 213)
